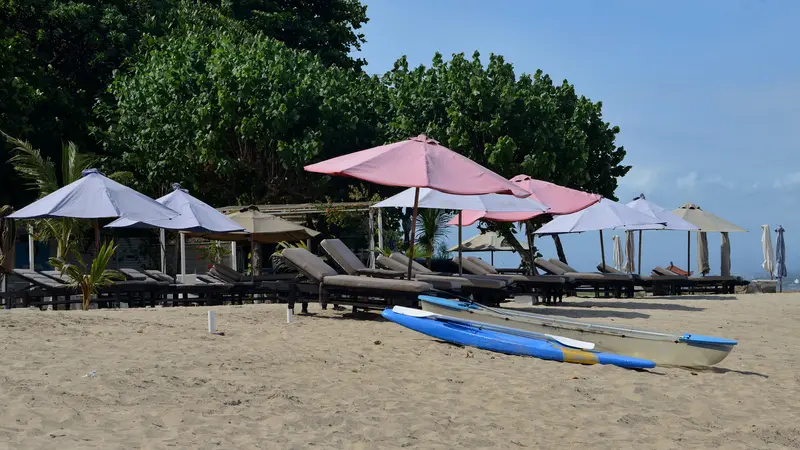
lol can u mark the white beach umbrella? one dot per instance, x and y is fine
(433, 199)
(630, 267)
(671, 222)
(603, 215)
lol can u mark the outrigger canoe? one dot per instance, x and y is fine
(686, 350)
(508, 341)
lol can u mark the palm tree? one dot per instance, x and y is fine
(89, 279)
(432, 230)
(41, 176)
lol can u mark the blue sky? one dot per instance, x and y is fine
(707, 95)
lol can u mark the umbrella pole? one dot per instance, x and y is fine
(640, 252)
(491, 255)
(252, 259)
(96, 237)
(380, 229)
(413, 230)
(532, 268)
(162, 242)
(371, 238)
(183, 255)
(32, 250)
(460, 269)
(602, 250)
(689, 251)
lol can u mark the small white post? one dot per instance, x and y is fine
(31, 263)
(162, 242)
(234, 259)
(212, 322)
(183, 255)
(289, 315)
(371, 239)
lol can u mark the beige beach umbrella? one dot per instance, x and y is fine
(703, 267)
(618, 256)
(486, 242)
(706, 222)
(725, 255)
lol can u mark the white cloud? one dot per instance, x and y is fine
(788, 181)
(640, 179)
(718, 180)
(687, 181)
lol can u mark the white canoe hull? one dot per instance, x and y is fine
(663, 349)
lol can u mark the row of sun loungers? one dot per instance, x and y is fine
(359, 286)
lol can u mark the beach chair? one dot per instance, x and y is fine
(483, 289)
(548, 288)
(710, 284)
(607, 284)
(356, 291)
(351, 264)
(657, 284)
(39, 288)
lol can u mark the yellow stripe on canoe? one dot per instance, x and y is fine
(578, 356)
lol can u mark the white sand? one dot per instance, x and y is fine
(332, 381)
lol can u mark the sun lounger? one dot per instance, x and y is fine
(40, 287)
(356, 291)
(482, 289)
(548, 288)
(657, 283)
(607, 284)
(350, 263)
(713, 284)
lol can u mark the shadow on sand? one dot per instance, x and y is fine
(635, 305)
(697, 297)
(583, 312)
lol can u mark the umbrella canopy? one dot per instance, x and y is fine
(194, 215)
(766, 249)
(705, 221)
(419, 162)
(485, 242)
(630, 266)
(431, 198)
(95, 196)
(703, 267)
(671, 220)
(780, 257)
(561, 200)
(619, 257)
(601, 216)
(261, 227)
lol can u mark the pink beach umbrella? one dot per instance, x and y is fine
(561, 200)
(419, 162)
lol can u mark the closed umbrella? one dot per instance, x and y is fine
(419, 162)
(603, 215)
(725, 255)
(630, 267)
(702, 254)
(780, 257)
(618, 257)
(95, 196)
(431, 198)
(194, 215)
(766, 249)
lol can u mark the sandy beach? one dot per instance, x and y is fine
(334, 381)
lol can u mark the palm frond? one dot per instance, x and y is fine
(73, 162)
(432, 229)
(38, 172)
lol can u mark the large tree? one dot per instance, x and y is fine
(513, 125)
(58, 56)
(235, 115)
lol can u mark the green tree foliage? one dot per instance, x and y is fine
(511, 124)
(89, 279)
(328, 28)
(235, 115)
(58, 56)
(431, 231)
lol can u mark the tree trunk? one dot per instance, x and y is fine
(560, 249)
(405, 223)
(513, 242)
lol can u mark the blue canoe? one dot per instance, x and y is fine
(473, 335)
